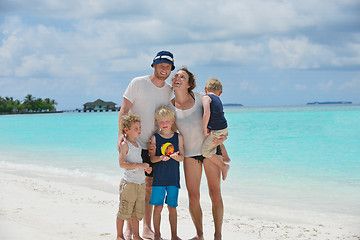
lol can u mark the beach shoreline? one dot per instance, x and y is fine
(48, 206)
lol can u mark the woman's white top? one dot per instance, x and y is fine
(189, 123)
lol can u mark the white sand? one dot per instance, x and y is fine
(38, 206)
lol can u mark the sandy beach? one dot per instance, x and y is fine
(36, 205)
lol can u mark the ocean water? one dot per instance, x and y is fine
(305, 158)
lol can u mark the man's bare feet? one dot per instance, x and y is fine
(224, 171)
(127, 235)
(148, 233)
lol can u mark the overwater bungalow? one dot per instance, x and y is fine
(99, 105)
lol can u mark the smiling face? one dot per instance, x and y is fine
(180, 80)
(162, 71)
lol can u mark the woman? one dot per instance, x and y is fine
(189, 115)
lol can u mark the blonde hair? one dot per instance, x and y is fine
(128, 120)
(164, 111)
(214, 85)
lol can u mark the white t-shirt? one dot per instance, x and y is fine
(135, 175)
(146, 98)
(190, 122)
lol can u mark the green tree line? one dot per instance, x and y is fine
(29, 104)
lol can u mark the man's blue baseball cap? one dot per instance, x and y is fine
(164, 57)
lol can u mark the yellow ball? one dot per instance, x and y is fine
(167, 149)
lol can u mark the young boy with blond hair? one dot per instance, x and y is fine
(166, 160)
(214, 123)
(132, 185)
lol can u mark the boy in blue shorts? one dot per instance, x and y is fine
(166, 169)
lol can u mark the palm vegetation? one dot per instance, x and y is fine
(29, 104)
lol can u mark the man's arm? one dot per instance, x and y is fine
(125, 108)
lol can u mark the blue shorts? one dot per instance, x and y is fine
(158, 196)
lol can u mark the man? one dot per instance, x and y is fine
(142, 97)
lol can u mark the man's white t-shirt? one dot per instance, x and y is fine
(146, 98)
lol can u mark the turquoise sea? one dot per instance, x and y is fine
(304, 158)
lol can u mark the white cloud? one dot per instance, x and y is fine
(353, 85)
(300, 87)
(297, 53)
(326, 85)
(247, 86)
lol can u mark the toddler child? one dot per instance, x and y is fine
(214, 123)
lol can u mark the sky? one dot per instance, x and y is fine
(265, 52)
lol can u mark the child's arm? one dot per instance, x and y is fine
(123, 150)
(153, 157)
(179, 156)
(206, 100)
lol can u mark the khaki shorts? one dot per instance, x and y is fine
(132, 200)
(208, 147)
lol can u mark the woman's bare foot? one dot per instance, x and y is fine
(138, 238)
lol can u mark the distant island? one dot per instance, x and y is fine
(232, 105)
(314, 103)
(30, 104)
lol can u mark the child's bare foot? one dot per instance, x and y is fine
(138, 238)
(226, 159)
(120, 238)
(224, 171)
